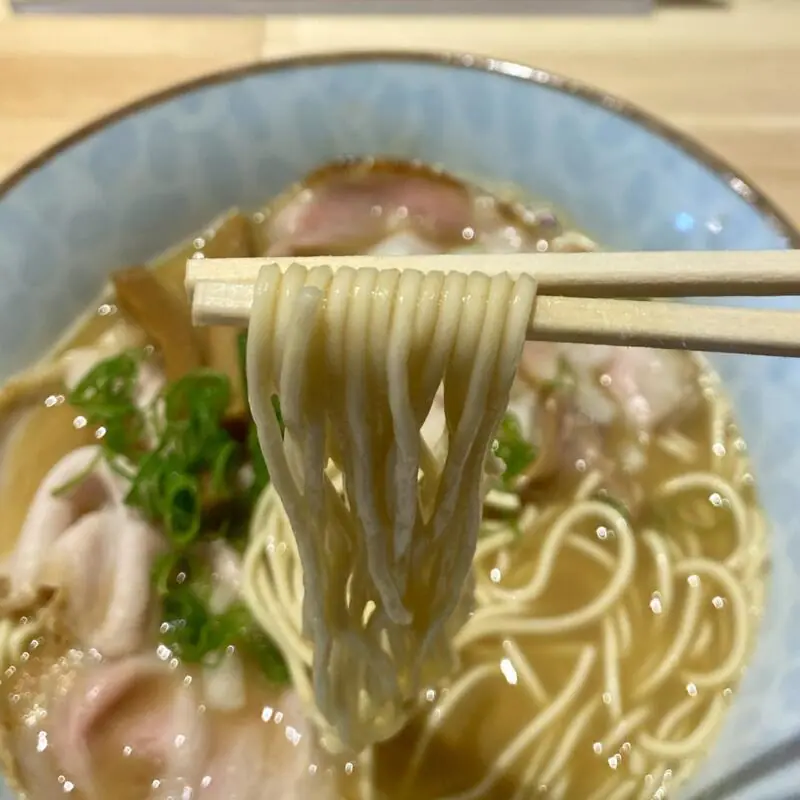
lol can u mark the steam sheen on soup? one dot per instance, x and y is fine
(151, 640)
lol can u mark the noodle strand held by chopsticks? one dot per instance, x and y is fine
(376, 365)
(355, 360)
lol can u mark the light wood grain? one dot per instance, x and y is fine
(656, 274)
(588, 320)
(724, 76)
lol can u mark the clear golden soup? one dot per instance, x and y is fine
(633, 560)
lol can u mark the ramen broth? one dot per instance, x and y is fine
(607, 679)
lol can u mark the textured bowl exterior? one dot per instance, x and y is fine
(128, 187)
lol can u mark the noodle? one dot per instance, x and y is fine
(376, 346)
(506, 611)
(474, 569)
(523, 667)
(535, 728)
(560, 757)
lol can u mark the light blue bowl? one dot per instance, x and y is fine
(128, 186)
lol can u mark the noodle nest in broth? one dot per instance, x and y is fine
(433, 563)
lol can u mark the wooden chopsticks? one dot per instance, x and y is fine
(578, 297)
(658, 274)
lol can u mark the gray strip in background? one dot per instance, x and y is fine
(232, 7)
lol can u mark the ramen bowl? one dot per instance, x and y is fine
(131, 184)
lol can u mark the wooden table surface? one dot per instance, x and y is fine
(730, 77)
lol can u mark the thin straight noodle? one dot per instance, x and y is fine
(355, 333)
(559, 790)
(753, 569)
(478, 627)
(712, 482)
(364, 389)
(660, 670)
(472, 427)
(366, 782)
(491, 544)
(675, 549)
(591, 550)
(540, 756)
(737, 602)
(703, 640)
(362, 365)
(475, 365)
(553, 543)
(697, 741)
(447, 323)
(652, 784)
(672, 720)
(288, 591)
(624, 629)
(437, 716)
(298, 342)
(624, 728)
(403, 454)
(682, 773)
(589, 485)
(665, 554)
(693, 547)
(362, 488)
(509, 601)
(573, 541)
(637, 763)
(301, 332)
(505, 350)
(525, 670)
(720, 413)
(655, 543)
(569, 740)
(14, 640)
(612, 684)
(427, 328)
(298, 663)
(604, 790)
(535, 728)
(406, 447)
(259, 592)
(625, 790)
(260, 389)
(278, 625)
(678, 446)
(675, 717)
(301, 682)
(310, 478)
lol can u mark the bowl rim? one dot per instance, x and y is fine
(734, 178)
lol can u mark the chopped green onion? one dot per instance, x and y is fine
(564, 379)
(164, 570)
(186, 482)
(194, 634)
(201, 395)
(224, 466)
(108, 384)
(182, 508)
(190, 631)
(265, 653)
(106, 397)
(516, 452)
